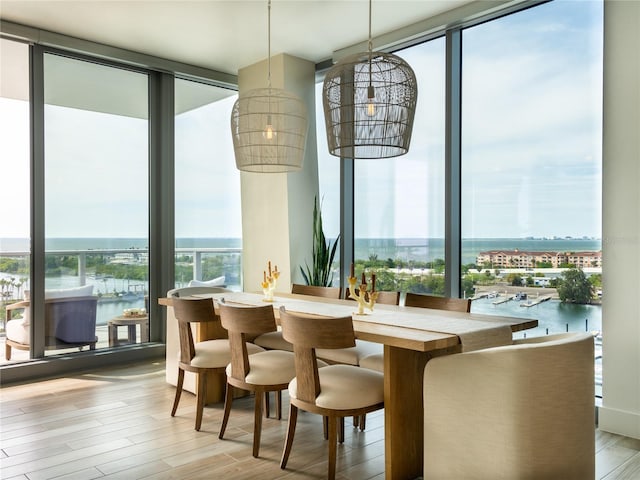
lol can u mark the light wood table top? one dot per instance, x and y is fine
(411, 336)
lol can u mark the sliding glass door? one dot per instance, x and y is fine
(15, 199)
(96, 191)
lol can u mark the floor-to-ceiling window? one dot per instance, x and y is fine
(96, 191)
(208, 226)
(532, 165)
(15, 196)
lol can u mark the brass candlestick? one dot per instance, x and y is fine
(363, 297)
(269, 283)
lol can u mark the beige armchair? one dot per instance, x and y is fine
(70, 320)
(524, 411)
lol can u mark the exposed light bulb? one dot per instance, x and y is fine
(371, 105)
(269, 132)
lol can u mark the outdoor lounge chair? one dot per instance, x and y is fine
(70, 321)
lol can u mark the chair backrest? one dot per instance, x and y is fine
(188, 311)
(537, 399)
(243, 322)
(384, 298)
(440, 303)
(71, 319)
(187, 291)
(316, 291)
(307, 333)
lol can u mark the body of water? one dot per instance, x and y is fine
(429, 249)
(552, 314)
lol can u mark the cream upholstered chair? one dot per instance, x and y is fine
(335, 391)
(274, 340)
(69, 316)
(172, 355)
(376, 360)
(523, 411)
(262, 372)
(200, 358)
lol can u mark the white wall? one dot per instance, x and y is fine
(277, 207)
(621, 219)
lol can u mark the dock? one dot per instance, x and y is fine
(533, 303)
(503, 300)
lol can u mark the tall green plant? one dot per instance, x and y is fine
(322, 254)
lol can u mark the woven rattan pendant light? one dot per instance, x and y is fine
(369, 102)
(269, 127)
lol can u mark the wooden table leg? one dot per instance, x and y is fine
(113, 335)
(144, 331)
(131, 333)
(403, 412)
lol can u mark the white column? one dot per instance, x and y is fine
(621, 220)
(277, 207)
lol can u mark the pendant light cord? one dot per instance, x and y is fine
(269, 40)
(370, 41)
(370, 52)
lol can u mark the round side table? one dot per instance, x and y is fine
(131, 323)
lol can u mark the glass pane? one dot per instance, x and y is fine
(15, 247)
(399, 225)
(328, 186)
(531, 161)
(96, 204)
(208, 211)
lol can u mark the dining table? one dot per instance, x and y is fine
(410, 336)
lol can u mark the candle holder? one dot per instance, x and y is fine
(269, 283)
(362, 295)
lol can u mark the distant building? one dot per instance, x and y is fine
(522, 259)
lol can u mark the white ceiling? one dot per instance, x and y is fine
(223, 35)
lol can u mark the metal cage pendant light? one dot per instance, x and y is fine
(269, 127)
(369, 102)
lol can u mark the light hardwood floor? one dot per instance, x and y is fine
(115, 424)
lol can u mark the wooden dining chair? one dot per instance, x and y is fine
(274, 340)
(201, 358)
(439, 303)
(316, 291)
(370, 349)
(335, 391)
(384, 297)
(262, 372)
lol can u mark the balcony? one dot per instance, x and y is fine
(119, 278)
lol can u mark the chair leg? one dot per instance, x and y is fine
(279, 404)
(341, 430)
(178, 392)
(228, 400)
(291, 430)
(363, 422)
(257, 422)
(333, 445)
(267, 405)
(356, 421)
(202, 391)
(7, 351)
(325, 427)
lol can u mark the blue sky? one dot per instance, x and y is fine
(531, 135)
(531, 148)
